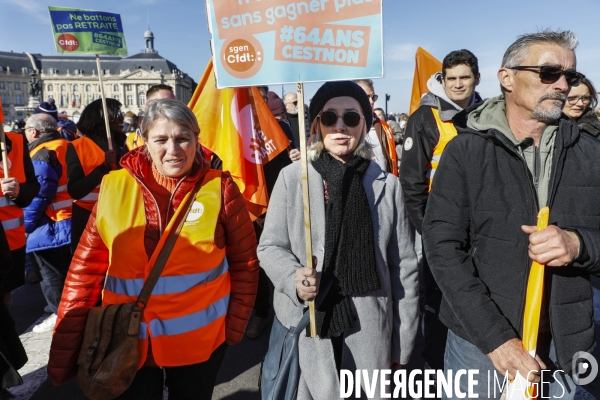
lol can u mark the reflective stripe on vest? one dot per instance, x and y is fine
(165, 284)
(187, 323)
(13, 223)
(11, 215)
(447, 132)
(185, 316)
(90, 157)
(60, 207)
(93, 196)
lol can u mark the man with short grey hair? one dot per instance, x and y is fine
(48, 217)
(513, 155)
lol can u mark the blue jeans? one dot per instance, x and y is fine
(460, 354)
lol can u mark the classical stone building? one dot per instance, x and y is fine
(73, 80)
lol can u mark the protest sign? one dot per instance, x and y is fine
(261, 42)
(87, 32)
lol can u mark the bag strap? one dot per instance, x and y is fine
(164, 252)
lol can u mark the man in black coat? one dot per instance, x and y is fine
(513, 155)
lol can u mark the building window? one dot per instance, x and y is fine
(142, 100)
(129, 100)
(17, 86)
(128, 88)
(76, 72)
(18, 99)
(49, 88)
(2, 85)
(63, 88)
(90, 98)
(19, 114)
(76, 88)
(64, 100)
(5, 99)
(115, 88)
(76, 100)
(88, 88)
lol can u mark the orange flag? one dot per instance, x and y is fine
(426, 65)
(237, 125)
(1, 113)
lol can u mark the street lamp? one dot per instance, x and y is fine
(387, 98)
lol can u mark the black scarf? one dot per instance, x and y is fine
(349, 260)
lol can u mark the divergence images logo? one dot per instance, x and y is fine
(68, 42)
(584, 364)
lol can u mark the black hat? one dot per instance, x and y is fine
(331, 90)
(47, 108)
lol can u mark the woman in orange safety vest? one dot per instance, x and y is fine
(204, 296)
(89, 159)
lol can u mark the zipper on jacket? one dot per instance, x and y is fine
(536, 167)
(155, 202)
(171, 200)
(529, 260)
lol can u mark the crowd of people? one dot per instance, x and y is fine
(420, 224)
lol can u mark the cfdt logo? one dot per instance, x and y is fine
(584, 368)
(68, 42)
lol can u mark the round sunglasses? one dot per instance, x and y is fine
(351, 118)
(550, 74)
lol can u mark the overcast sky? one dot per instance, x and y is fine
(486, 28)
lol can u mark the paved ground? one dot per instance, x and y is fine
(238, 379)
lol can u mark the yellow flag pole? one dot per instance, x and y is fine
(531, 315)
(307, 230)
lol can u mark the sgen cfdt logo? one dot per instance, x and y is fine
(68, 42)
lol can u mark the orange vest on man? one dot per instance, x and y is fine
(11, 215)
(61, 205)
(90, 156)
(447, 132)
(390, 147)
(185, 316)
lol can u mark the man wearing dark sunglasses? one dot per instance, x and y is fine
(380, 136)
(513, 155)
(427, 132)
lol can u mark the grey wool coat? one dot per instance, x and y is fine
(387, 319)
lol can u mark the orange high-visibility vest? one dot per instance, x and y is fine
(447, 132)
(62, 204)
(11, 215)
(134, 140)
(90, 156)
(391, 147)
(185, 315)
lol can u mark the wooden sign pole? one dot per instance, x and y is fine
(307, 230)
(4, 152)
(106, 121)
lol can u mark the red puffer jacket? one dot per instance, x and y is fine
(85, 280)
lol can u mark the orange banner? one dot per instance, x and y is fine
(239, 127)
(425, 66)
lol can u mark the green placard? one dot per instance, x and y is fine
(78, 31)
